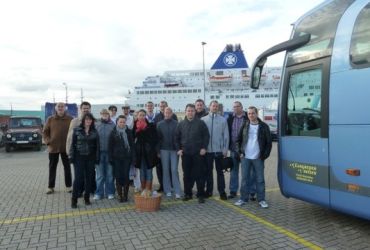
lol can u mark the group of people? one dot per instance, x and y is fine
(117, 148)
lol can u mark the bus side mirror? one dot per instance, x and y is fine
(257, 72)
(256, 78)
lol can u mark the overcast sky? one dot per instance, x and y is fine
(108, 47)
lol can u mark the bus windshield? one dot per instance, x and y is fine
(321, 24)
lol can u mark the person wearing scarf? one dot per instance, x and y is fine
(121, 155)
(145, 146)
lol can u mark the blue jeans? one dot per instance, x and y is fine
(258, 167)
(234, 175)
(146, 174)
(170, 162)
(104, 176)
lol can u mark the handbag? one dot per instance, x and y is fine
(227, 164)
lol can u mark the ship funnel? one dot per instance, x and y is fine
(232, 57)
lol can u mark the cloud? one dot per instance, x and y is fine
(112, 46)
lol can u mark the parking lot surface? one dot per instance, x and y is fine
(30, 219)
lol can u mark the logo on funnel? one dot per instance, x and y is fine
(230, 59)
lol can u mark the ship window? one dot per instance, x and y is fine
(275, 95)
(231, 96)
(199, 90)
(212, 97)
(146, 92)
(155, 92)
(219, 73)
(217, 97)
(169, 91)
(305, 94)
(164, 91)
(244, 72)
(227, 97)
(257, 96)
(174, 91)
(262, 96)
(159, 91)
(237, 96)
(246, 96)
(151, 92)
(180, 91)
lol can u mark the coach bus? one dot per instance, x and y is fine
(324, 107)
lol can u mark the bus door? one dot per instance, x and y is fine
(303, 125)
(349, 129)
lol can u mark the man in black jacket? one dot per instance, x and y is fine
(157, 118)
(192, 139)
(254, 146)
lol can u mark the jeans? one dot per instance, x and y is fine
(53, 163)
(84, 176)
(258, 167)
(234, 176)
(217, 158)
(146, 174)
(193, 168)
(104, 176)
(170, 162)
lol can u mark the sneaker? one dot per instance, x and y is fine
(97, 197)
(239, 203)
(50, 191)
(263, 204)
(69, 189)
(223, 196)
(177, 196)
(110, 197)
(232, 195)
(169, 194)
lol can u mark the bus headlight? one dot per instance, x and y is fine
(8, 136)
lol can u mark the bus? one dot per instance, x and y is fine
(324, 107)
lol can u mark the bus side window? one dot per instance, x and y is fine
(304, 103)
(360, 40)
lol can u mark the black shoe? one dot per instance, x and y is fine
(232, 195)
(187, 198)
(87, 201)
(74, 203)
(201, 200)
(208, 195)
(252, 197)
(223, 196)
(160, 190)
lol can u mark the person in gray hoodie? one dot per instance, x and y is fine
(104, 171)
(167, 152)
(217, 149)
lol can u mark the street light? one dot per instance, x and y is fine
(204, 75)
(65, 85)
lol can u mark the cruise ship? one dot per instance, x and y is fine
(227, 81)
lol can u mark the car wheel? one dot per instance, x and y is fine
(38, 148)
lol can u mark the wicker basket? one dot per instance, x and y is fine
(147, 204)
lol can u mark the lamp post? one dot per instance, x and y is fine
(204, 75)
(65, 85)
